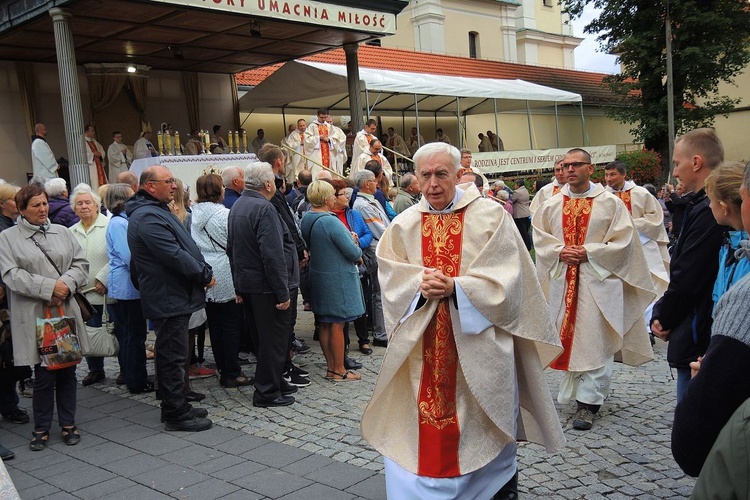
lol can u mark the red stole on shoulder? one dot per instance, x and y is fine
(576, 214)
(555, 190)
(325, 147)
(439, 430)
(101, 177)
(626, 199)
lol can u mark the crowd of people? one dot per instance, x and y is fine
(416, 265)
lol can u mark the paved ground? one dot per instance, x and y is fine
(312, 450)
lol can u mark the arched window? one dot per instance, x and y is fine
(474, 44)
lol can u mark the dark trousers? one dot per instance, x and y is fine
(51, 386)
(8, 393)
(171, 357)
(272, 327)
(96, 363)
(360, 326)
(224, 327)
(524, 225)
(132, 342)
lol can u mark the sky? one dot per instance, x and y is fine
(587, 54)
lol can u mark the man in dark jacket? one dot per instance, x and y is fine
(172, 278)
(683, 314)
(274, 156)
(265, 271)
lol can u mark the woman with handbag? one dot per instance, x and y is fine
(209, 230)
(91, 232)
(334, 277)
(43, 265)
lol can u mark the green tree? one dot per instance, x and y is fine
(709, 45)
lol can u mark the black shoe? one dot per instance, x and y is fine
(583, 420)
(295, 379)
(287, 388)
(240, 381)
(5, 453)
(299, 346)
(193, 396)
(194, 413)
(350, 364)
(380, 343)
(17, 416)
(365, 349)
(280, 401)
(120, 380)
(149, 387)
(190, 424)
(92, 378)
(299, 371)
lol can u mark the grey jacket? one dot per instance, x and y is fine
(30, 280)
(521, 203)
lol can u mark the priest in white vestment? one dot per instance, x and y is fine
(363, 139)
(648, 217)
(338, 147)
(462, 379)
(296, 162)
(143, 148)
(416, 141)
(549, 190)
(43, 161)
(95, 155)
(590, 263)
(119, 156)
(318, 143)
(374, 152)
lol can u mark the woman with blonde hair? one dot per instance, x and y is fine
(334, 277)
(8, 209)
(723, 189)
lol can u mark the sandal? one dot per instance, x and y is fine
(70, 435)
(39, 440)
(348, 376)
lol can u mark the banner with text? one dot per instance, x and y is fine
(302, 11)
(534, 159)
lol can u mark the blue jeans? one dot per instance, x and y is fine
(132, 342)
(96, 363)
(683, 379)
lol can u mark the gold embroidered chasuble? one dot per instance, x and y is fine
(491, 366)
(614, 287)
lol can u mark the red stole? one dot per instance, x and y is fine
(377, 158)
(626, 199)
(325, 147)
(100, 175)
(439, 430)
(555, 190)
(575, 222)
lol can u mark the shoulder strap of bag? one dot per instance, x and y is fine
(46, 255)
(309, 233)
(213, 240)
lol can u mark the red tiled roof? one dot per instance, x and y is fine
(587, 84)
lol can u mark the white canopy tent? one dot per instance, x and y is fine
(389, 92)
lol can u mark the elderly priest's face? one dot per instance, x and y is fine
(437, 176)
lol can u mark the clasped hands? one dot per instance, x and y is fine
(573, 255)
(436, 285)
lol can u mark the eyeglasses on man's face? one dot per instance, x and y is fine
(575, 164)
(165, 181)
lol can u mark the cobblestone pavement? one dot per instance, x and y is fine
(626, 455)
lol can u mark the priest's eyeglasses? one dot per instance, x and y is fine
(575, 164)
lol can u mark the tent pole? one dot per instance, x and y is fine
(583, 127)
(403, 122)
(353, 84)
(283, 117)
(460, 129)
(497, 129)
(367, 103)
(557, 127)
(528, 118)
(416, 115)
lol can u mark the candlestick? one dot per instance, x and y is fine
(244, 140)
(177, 149)
(159, 142)
(207, 142)
(230, 142)
(168, 143)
